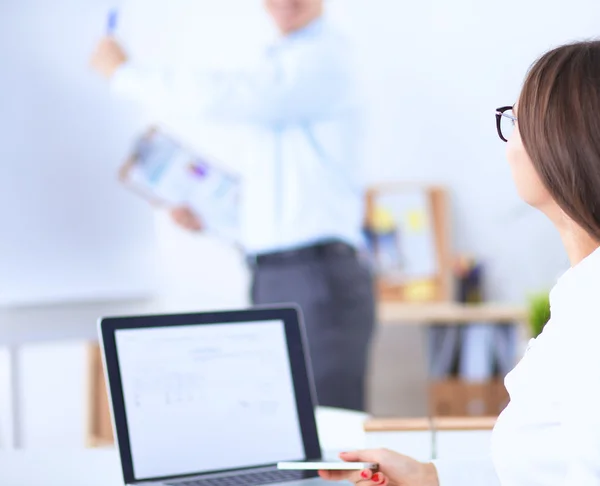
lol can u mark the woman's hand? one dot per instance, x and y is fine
(394, 470)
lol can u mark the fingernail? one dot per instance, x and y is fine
(364, 475)
(377, 478)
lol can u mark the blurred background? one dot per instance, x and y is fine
(74, 244)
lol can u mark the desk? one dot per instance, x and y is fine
(92, 467)
(53, 322)
(338, 430)
(434, 437)
(77, 321)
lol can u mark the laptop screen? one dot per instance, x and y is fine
(208, 397)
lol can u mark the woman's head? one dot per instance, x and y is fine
(555, 152)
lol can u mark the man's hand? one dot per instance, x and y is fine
(394, 470)
(108, 57)
(186, 218)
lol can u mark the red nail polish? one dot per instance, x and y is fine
(377, 478)
(364, 474)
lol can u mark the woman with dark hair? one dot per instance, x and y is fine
(550, 432)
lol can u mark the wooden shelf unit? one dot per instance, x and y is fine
(99, 431)
(449, 313)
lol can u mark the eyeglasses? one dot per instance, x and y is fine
(505, 122)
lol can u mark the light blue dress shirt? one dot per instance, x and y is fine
(301, 100)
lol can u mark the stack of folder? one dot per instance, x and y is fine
(467, 363)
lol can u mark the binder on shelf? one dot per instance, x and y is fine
(477, 353)
(443, 348)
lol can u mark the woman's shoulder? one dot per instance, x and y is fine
(578, 289)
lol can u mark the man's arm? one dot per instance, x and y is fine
(303, 82)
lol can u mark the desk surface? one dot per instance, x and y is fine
(57, 322)
(78, 320)
(338, 430)
(91, 467)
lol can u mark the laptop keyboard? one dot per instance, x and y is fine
(248, 479)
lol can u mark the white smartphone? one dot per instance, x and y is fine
(326, 466)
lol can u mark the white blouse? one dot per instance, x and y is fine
(550, 432)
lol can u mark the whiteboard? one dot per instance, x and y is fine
(67, 230)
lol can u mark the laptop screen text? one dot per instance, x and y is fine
(208, 397)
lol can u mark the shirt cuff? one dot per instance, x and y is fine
(125, 80)
(466, 472)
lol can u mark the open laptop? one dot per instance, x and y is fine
(211, 398)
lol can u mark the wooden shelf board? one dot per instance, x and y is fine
(426, 424)
(398, 313)
(464, 423)
(397, 425)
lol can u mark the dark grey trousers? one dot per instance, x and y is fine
(335, 293)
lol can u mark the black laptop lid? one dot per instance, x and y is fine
(200, 393)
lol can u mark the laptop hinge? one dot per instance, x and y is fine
(219, 475)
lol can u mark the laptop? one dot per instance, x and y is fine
(211, 398)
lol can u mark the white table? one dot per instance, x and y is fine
(338, 430)
(20, 326)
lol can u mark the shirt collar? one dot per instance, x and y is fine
(312, 29)
(578, 277)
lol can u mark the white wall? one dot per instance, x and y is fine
(53, 368)
(52, 393)
(5, 400)
(435, 71)
(54, 380)
(68, 230)
(197, 272)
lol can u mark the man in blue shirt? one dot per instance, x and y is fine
(302, 203)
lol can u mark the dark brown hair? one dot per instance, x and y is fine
(559, 123)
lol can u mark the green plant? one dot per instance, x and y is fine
(539, 312)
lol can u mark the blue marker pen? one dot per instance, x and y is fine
(111, 24)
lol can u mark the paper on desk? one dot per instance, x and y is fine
(173, 175)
